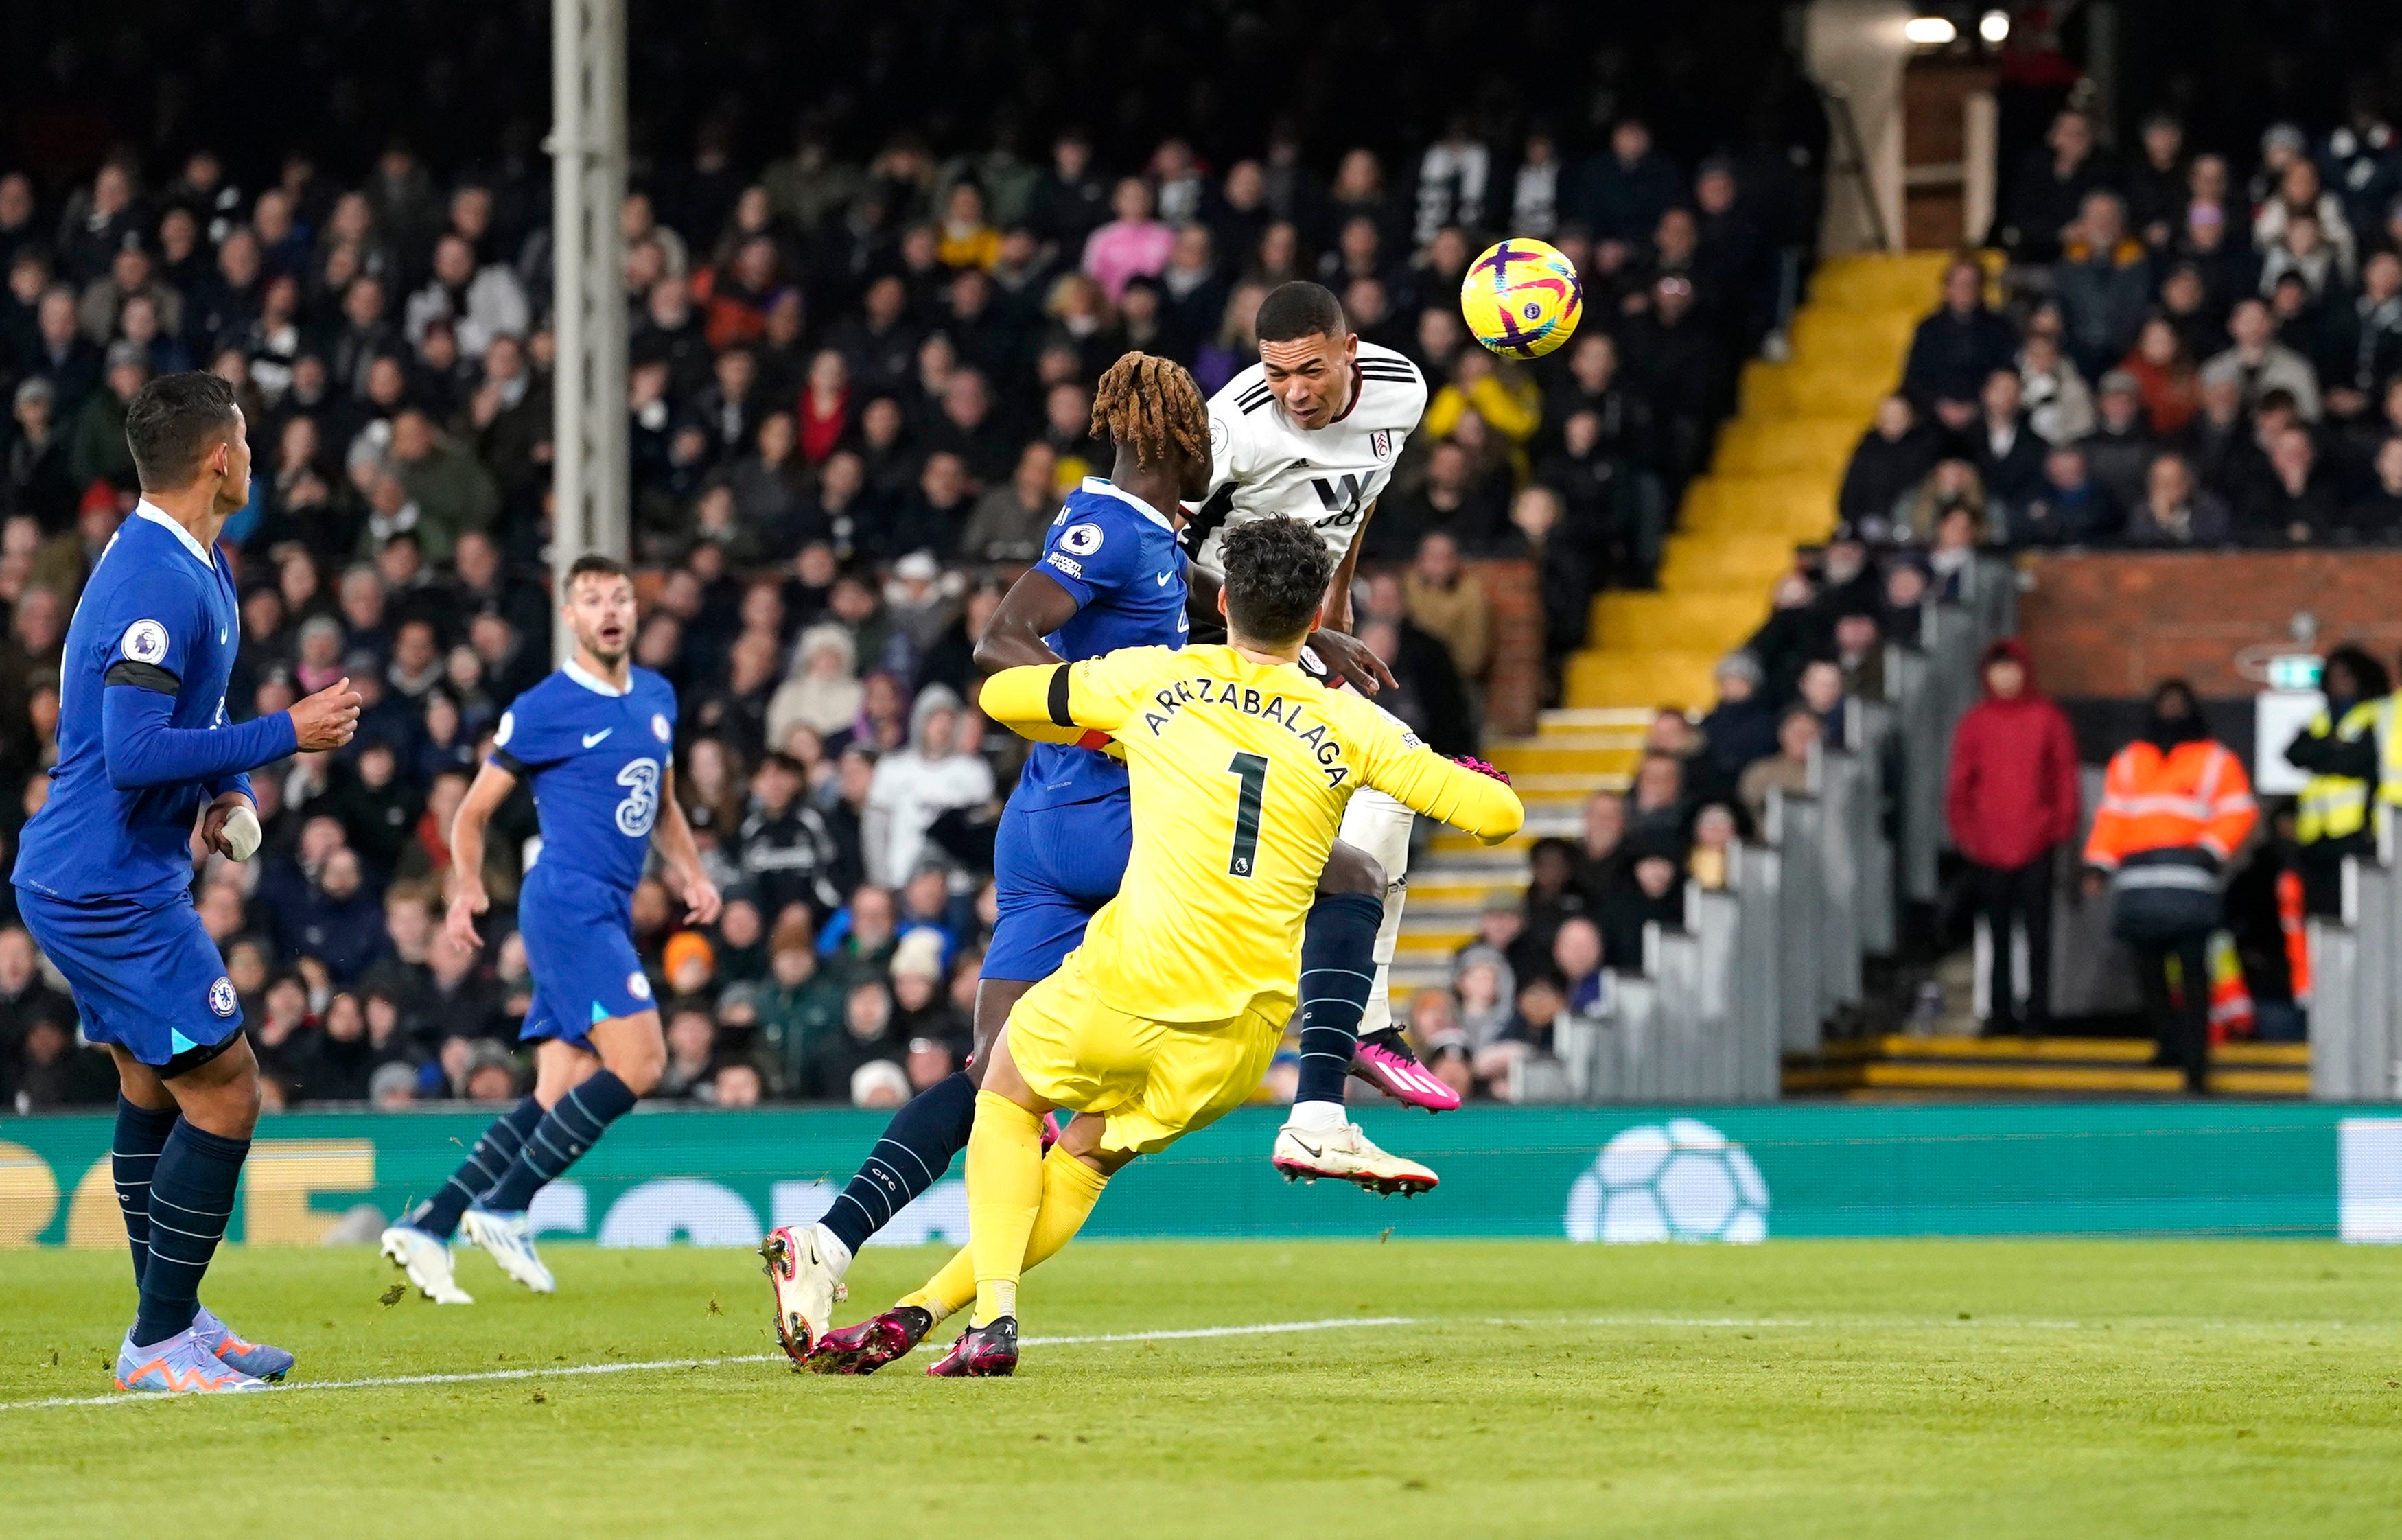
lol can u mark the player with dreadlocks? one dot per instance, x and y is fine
(1112, 577)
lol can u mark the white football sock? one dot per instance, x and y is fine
(830, 1247)
(1318, 1117)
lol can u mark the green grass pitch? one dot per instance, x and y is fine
(2052, 1389)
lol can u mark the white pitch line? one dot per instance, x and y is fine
(1271, 1328)
(488, 1376)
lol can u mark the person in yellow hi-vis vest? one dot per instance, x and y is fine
(2340, 748)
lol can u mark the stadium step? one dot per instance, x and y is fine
(1767, 445)
(1690, 621)
(1771, 487)
(2037, 1066)
(1798, 386)
(1797, 504)
(1642, 679)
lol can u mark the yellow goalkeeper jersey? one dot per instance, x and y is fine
(1239, 772)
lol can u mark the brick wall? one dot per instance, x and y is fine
(2111, 624)
(1513, 690)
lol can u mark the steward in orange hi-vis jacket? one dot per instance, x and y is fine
(2175, 806)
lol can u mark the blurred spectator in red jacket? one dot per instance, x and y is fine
(2012, 800)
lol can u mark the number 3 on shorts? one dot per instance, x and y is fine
(1252, 770)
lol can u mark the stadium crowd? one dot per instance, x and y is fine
(2197, 350)
(858, 392)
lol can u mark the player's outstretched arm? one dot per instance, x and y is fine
(1062, 696)
(1472, 797)
(491, 788)
(141, 750)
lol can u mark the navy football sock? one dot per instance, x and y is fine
(918, 1147)
(191, 1197)
(1338, 966)
(132, 1159)
(483, 1168)
(562, 1136)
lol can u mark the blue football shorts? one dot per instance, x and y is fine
(1052, 869)
(578, 935)
(148, 980)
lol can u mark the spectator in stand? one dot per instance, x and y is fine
(1625, 189)
(2176, 808)
(918, 785)
(1787, 770)
(1449, 603)
(832, 1069)
(2256, 363)
(2165, 375)
(1658, 805)
(1133, 243)
(2377, 518)
(2102, 283)
(1892, 458)
(1645, 894)
(2051, 391)
(2365, 338)
(2071, 508)
(2156, 180)
(2011, 800)
(2297, 504)
(2119, 450)
(1601, 853)
(2008, 456)
(1955, 349)
(2050, 192)
(1009, 520)
(1952, 487)
(1741, 727)
(2174, 512)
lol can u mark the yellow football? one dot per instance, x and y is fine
(1521, 298)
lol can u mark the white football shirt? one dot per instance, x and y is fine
(1263, 466)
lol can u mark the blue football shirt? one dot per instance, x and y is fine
(598, 760)
(1117, 556)
(160, 608)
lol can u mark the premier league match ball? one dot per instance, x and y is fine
(1682, 1180)
(1521, 298)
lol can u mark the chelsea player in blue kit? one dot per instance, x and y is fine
(1111, 575)
(597, 738)
(103, 876)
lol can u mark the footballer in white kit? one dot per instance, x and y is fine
(1312, 432)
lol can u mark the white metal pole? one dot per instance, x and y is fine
(590, 469)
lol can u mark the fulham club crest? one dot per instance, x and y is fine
(1381, 441)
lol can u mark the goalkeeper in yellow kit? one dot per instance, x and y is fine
(1167, 1015)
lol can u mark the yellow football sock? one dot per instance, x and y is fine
(1070, 1189)
(1004, 1194)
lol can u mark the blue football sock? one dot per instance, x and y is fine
(483, 1168)
(918, 1147)
(191, 1198)
(132, 1159)
(560, 1139)
(1338, 966)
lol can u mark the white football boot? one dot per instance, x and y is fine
(1346, 1155)
(509, 1239)
(426, 1259)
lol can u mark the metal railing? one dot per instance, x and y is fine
(2355, 973)
(1760, 968)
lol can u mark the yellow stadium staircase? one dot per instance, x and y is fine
(1770, 487)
